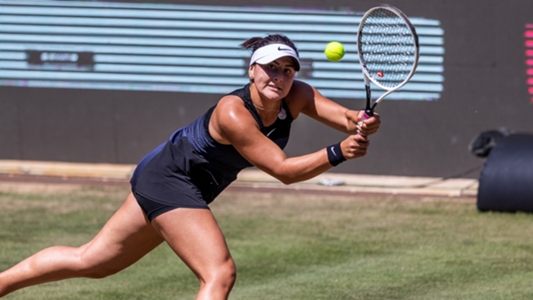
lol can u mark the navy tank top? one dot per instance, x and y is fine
(192, 152)
(225, 157)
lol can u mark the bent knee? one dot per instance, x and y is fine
(230, 272)
(90, 267)
(99, 272)
(223, 275)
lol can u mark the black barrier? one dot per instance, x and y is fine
(506, 181)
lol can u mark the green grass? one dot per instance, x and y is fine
(295, 247)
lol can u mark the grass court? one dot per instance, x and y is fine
(295, 246)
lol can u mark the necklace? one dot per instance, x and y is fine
(281, 112)
(265, 110)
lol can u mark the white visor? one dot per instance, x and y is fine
(271, 52)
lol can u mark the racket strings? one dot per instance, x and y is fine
(388, 48)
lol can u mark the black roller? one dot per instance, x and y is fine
(506, 180)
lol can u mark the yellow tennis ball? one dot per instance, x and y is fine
(334, 51)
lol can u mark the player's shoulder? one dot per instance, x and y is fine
(231, 108)
(301, 90)
(230, 101)
(300, 95)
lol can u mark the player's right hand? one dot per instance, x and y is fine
(354, 146)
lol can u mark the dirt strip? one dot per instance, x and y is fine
(54, 183)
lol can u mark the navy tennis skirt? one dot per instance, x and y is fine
(174, 176)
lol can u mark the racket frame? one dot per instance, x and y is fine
(369, 110)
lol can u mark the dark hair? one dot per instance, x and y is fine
(258, 42)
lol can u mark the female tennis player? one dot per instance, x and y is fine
(173, 185)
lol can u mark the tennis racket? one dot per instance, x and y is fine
(388, 50)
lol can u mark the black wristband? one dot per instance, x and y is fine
(335, 156)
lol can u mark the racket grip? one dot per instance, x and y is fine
(367, 115)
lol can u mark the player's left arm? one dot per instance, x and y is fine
(312, 103)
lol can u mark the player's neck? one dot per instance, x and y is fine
(264, 106)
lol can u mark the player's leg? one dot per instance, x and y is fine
(123, 240)
(197, 239)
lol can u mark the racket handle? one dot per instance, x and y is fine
(368, 114)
